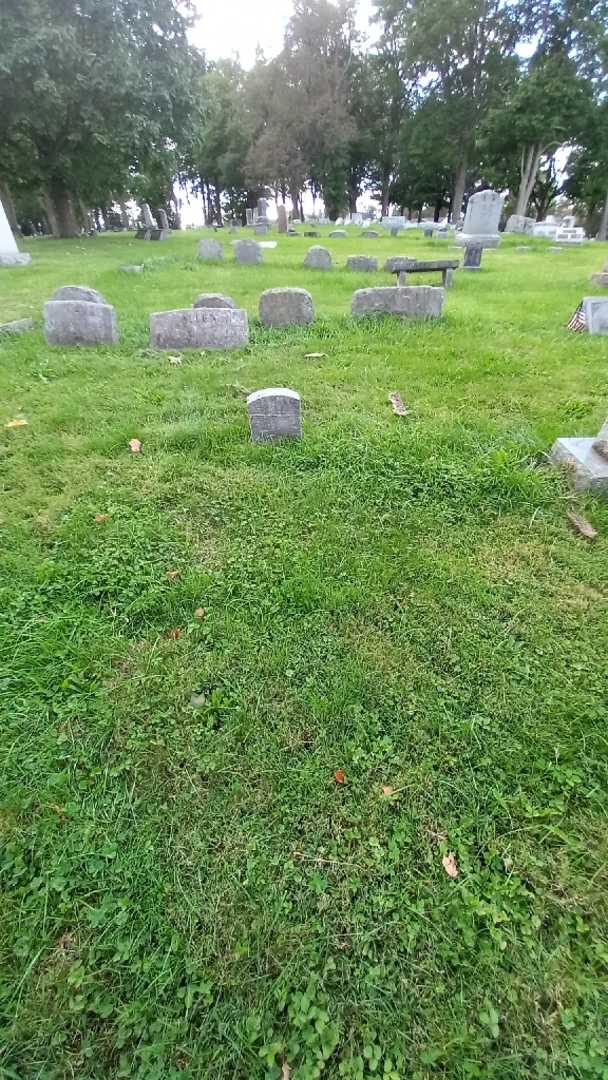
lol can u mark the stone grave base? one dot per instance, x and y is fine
(588, 469)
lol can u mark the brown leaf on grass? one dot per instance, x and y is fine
(200, 613)
(175, 360)
(172, 574)
(399, 406)
(285, 1071)
(339, 776)
(99, 518)
(386, 790)
(580, 525)
(314, 355)
(19, 422)
(174, 633)
(134, 446)
(450, 865)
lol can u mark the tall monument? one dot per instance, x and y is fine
(9, 252)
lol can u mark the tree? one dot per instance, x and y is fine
(222, 140)
(587, 168)
(91, 91)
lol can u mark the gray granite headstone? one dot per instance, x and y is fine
(518, 223)
(79, 292)
(78, 322)
(318, 258)
(249, 216)
(363, 263)
(199, 328)
(247, 251)
(596, 314)
(210, 250)
(339, 234)
(472, 256)
(408, 302)
(587, 467)
(282, 219)
(275, 414)
(482, 219)
(147, 217)
(17, 326)
(214, 300)
(286, 307)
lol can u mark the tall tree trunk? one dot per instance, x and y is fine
(60, 212)
(603, 229)
(9, 207)
(386, 187)
(528, 171)
(460, 181)
(438, 208)
(218, 207)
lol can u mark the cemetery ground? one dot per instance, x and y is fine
(303, 749)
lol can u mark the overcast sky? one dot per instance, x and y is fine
(228, 27)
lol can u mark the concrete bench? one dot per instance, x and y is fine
(402, 265)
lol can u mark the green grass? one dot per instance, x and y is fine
(186, 890)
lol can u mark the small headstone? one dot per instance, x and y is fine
(249, 216)
(524, 247)
(136, 269)
(362, 263)
(261, 227)
(554, 250)
(408, 302)
(78, 322)
(311, 233)
(472, 256)
(369, 234)
(596, 314)
(282, 219)
(482, 219)
(449, 279)
(17, 326)
(428, 232)
(518, 223)
(600, 280)
(587, 466)
(247, 251)
(286, 307)
(338, 234)
(79, 292)
(393, 223)
(199, 328)
(147, 218)
(214, 300)
(210, 250)
(318, 258)
(9, 252)
(275, 414)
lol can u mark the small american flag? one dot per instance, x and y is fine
(578, 321)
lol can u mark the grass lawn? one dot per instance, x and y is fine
(186, 888)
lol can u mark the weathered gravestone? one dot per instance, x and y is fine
(409, 302)
(147, 225)
(214, 300)
(318, 258)
(9, 252)
(199, 328)
(482, 219)
(369, 234)
(365, 263)
(586, 461)
(138, 268)
(518, 223)
(17, 326)
(247, 252)
(275, 414)
(249, 216)
(77, 322)
(210, 250)
(428, 232)
(472, 256)
(163, 232)
(601, 278)
(338, 234)
(596, 314)
(79, 292)
(286, 307)
(282, 219)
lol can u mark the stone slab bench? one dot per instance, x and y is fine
(402, 265)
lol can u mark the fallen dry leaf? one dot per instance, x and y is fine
(386, 789)
(19, 422)
(174, 633)
(172, 574)
(200, 613)
(314, 355)
(399, 406)
(449, 865)
(339, 776)
(134, 446)
(102, 517)
(582, 526)
(175, 360)
(285, 1071)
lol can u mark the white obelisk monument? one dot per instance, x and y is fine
(9, 252)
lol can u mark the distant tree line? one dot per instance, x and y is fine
(102, 101)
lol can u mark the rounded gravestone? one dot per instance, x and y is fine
(274, 414)
(409, 302)
(79, 292)
(338, 233)
(286, 307)
(247, 251)
(370, 234)
(213, 300)
(210, 250)
(199, 328)
(318, 258)
(79, 322)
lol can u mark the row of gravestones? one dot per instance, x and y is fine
(317, 257)
(77, 315)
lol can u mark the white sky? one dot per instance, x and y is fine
(231, 27)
